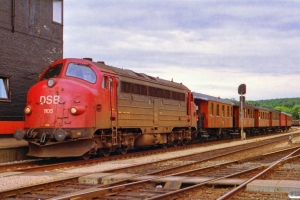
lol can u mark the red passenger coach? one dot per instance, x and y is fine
(80, 107)
(274, 120)
(214, 115)
(285, 121)
(249, 118)
(262, 116)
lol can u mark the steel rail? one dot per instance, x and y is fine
(243, 185)
(94, 192)
(30, 188)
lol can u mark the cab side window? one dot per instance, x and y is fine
(105, 82)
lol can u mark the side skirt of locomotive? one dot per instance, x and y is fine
(72, 148)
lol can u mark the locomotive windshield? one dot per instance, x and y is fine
(81, 71)
(53, 72)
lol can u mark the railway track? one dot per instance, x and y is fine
(143, 188)
(192, 161)
(51, 164)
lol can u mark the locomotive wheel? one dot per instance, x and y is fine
(123, 151)
(175, 143)
(86, 156)
(105, 152)
(184, 142)
(164, 145)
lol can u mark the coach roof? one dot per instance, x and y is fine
(211, 98)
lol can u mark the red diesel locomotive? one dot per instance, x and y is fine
(80, 108)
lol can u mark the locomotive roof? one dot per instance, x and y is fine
(140, 76)
(211, 98)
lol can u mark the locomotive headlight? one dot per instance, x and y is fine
(27, 110)
(73, 110)
(77, 110)
(50, 83)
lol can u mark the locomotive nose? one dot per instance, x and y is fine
(19, 134)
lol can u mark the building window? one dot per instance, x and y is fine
(58, 11)
(4, 88)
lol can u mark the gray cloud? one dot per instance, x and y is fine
(239, 38)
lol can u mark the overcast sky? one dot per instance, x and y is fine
(210, 46)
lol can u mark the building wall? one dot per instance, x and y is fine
(29, 41)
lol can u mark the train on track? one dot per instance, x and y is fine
(80, 108)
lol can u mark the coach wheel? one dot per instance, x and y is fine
(105, 152)
(86, 156)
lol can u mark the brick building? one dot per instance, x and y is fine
(31, 37)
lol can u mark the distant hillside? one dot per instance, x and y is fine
(288, 105)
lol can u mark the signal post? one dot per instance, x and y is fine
(242, 92)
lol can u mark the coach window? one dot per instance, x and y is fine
(259, 115)
(211, 109)
(227, 111)
(4, 88)
(223, 111)
(218, 111)
(58, 11)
